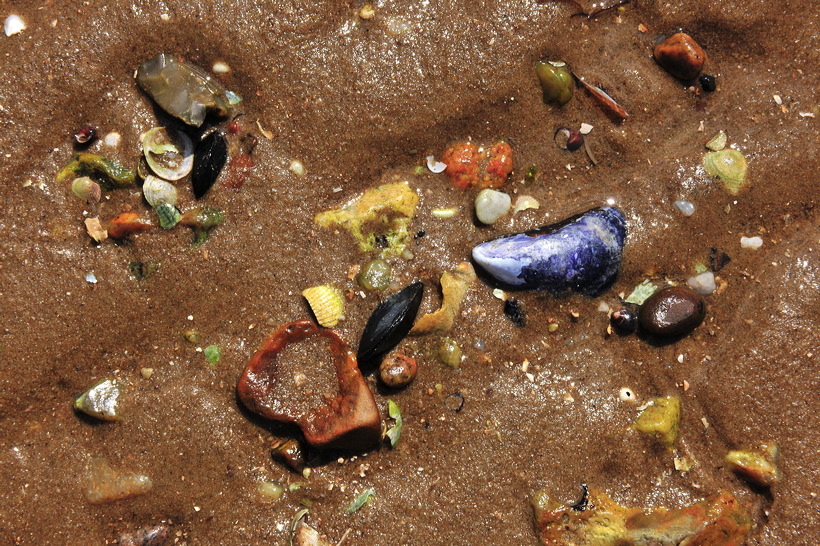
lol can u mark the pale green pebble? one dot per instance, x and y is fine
(375, 275)
(270, 491)
(169, 215)
(449, 352)
(101, 401)
(212, 354)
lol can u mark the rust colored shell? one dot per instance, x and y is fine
(351, 420)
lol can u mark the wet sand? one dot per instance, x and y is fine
(360, 102)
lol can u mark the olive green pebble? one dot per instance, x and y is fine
(375, 275)
(449, 352)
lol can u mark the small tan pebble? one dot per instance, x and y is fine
(398, 370)
(95, 229)
(147, 372)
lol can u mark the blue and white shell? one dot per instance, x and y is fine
(581, 254)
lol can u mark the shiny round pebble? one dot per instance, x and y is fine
(398, 370)
(490, 205)
(625, 319)
(681, 56)
(671, 312)
(375, 275)
(685, 207)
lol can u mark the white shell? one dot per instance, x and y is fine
(158, 191)
(169, 152)
(13, 25)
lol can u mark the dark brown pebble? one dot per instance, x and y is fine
(155, 535)
(625, 319)
(672, 311)
(681, 56)
(398, 370)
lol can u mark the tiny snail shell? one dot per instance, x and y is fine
(86, 189)
(158, 191)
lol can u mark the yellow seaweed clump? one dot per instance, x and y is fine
(380, 214)
(719, 520)
(454, 287)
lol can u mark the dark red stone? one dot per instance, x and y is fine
(672, 311)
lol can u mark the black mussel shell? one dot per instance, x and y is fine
(209, 158)
(388, 324)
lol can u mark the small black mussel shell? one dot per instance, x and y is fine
(388, 325)
(209, 158)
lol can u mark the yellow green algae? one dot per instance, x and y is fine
(661, 419)
(385, 211)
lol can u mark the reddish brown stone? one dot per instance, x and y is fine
(351, 420)
(681, 56)
(671, 312)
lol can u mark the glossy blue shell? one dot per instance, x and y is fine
(581, 254)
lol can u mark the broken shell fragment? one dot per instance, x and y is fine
(556, 81)
(730, 166)
(582, 254)
(101, 401)
(183, 90)
(388, 324)
(350, 420)
(158, 191)
(681, 56)
(86, 189)
(758, 466)
(169, 152)
(568, 139)
(209, 158)
(107, 485)
(327, 304)
(454, 287)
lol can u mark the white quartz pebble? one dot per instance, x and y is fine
(751, 242)
(490, 205)
(686, 208)
(13, 25)
(703, 284)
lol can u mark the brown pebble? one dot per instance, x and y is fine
(398, 370)
(672, 311)
(681, 56)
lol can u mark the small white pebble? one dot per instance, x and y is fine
(90, 278)
(221, 67)
(586, 128)
(490, 205)
(165, 17)
(685, 207)
(112, 139)
(627, 395)
(444, 213)
(703, 284)
(147, 372)
(190, 317)
(777, 99)
(435, 166)
(13, 25)
(296, 167)
(603, 307)
(751, 242)
(500, 294)
(680, 358)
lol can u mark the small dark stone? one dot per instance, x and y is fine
(513, 310)
(419, 234)
(671, 312)
(625, 319)
(718, 260)
(708, 83)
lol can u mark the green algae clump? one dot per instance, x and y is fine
(661, 419)
(379, 217)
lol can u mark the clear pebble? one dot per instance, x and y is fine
(703, 284)
(435, 166)
(603, 307)
(751, 242)
(490, 205)
(13, 25)
(686, 208)
(90, 278)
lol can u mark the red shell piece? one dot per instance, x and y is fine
(351, 420)
(127, 223)
(462, 164)
(239, 168)
(499, 167)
